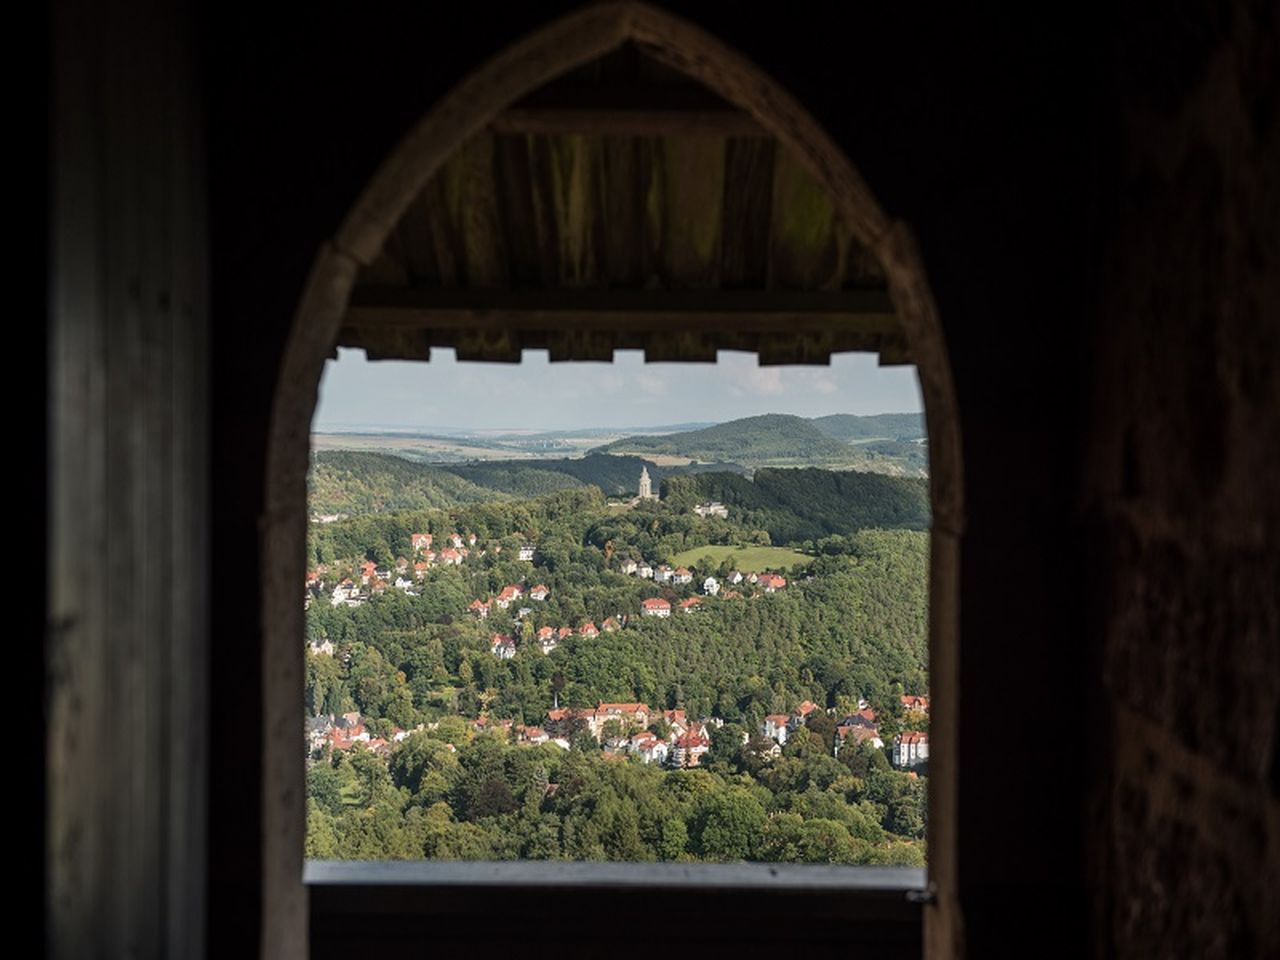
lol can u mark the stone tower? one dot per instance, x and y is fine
(646, 489)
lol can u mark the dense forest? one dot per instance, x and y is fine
(808, 504)
(880, 426)
(849, 629)
(355, 482)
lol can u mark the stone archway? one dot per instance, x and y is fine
(525, 66)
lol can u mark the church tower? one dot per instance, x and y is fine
(646, 489)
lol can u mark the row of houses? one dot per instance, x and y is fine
(422, 543)
(348, 731)
(910, 747)
(507, 596)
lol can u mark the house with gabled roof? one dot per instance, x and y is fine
(689, 605)
(776, 726)
(420, 541)
(502, 646)
(645, 571)
(480, 608)
(910, 748)
(656, 607)
(610, 625)
(540, 592)
(772, 582)
(588, 629)
(682, 575)
(628, 566)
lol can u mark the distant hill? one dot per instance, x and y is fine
(771, 438)
(881, 426)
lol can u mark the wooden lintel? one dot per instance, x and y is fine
(627, 123)
(868, 312)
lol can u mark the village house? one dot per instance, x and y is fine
(734, 577)
(772, 582)
(712, 508)
(914, 704)
(910, 748)
(688, 605)
(628, 567)
(547, 639)
(688, 750)
(534, 735)
(662, 573)
(347, 593)
(347, 731)
(711, 586)
(609, 625)
(406, 585)
(682, 576)
(588, 629)
(656, 607)
(527, 551)
(540, 592)
(420, 570)
(852, 734)
(645, 571)
(508, 594)
(368, 570)
(480, 608)
(501, 646)
(420, 541)
(564, 633)
(775, 727)
(523, 612)
(450, 557)
(456, 540)
(649, 748)
(323, 648)
(317, 729)
(402, 565)
(753, 577)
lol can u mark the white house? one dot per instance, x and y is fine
(628, 567)
(775, 727)
(682, 575)
(644, 570)
(656, 607)
(711, 586)
(713, 508)
(540, 592)
(527, 550)
(662, 573)
(735, 577)
(910, 748)
(502, 647)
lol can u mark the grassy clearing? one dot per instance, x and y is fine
(748, 559)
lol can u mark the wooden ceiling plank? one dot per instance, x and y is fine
(804, 249)
(748, 201)
(694, 200)
(478, 217)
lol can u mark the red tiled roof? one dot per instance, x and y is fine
(656, 603)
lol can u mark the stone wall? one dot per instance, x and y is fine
(1182, 488)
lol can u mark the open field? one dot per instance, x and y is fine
(748, 559)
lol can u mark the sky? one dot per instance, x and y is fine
(357, 394)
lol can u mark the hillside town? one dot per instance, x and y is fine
(665, 737)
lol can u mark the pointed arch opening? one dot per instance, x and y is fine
(497, 93)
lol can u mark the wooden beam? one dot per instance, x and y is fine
(868, 312)
(548, 121)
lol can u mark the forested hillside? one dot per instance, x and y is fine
(771, 438)
(890, 426)
(358, 483)
(534, 671)
(352, 483)
(797, 505)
